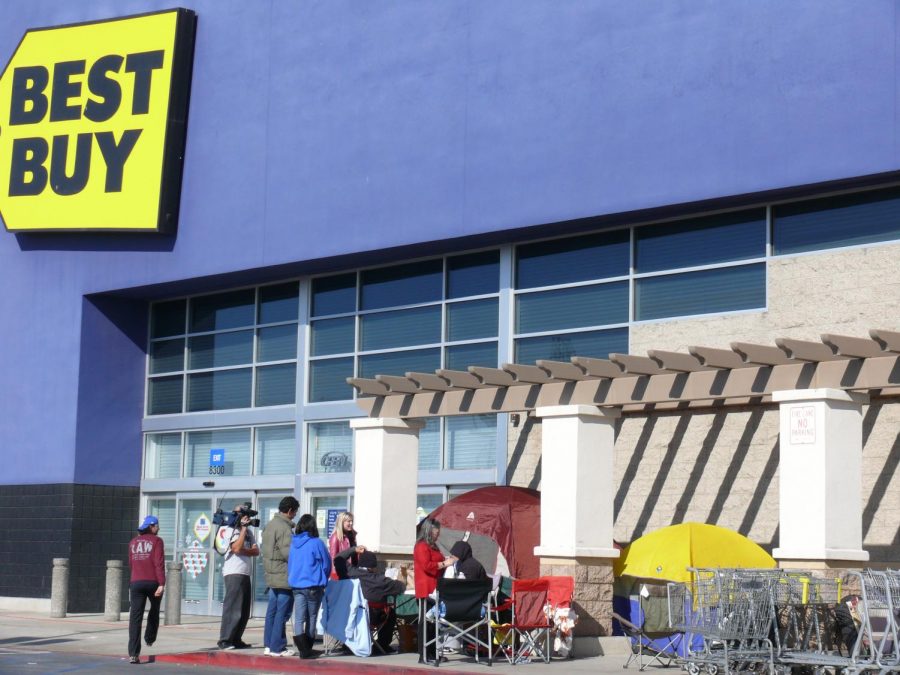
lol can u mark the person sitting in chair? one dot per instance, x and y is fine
(376, 588)
(466, 567)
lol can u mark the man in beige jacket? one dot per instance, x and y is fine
(275, 548)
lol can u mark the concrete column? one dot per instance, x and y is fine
(59, 588)
(113, 605)
(820, 477)
(385, 482)
(172, 594)
(577, 491)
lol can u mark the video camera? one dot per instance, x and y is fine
(233, 519)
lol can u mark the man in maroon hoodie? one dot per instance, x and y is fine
(146, 556)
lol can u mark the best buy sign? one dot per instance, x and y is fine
(92, 124)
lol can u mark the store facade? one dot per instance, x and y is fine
(437, 187)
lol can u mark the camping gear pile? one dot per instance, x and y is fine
(502, 524)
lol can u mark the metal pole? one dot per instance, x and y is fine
(173, 594)
(59, 588)
(113, 608)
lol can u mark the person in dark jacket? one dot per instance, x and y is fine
(309, 565)
(376, 588)
(846, 620)
(466, 566)
(146, 557)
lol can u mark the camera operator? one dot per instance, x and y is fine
(236, 572)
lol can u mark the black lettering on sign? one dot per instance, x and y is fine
(29, 103)
(100, 84)
(142, 65)
(64, 89)
(116, 155)
(28, 157)
(61, 183)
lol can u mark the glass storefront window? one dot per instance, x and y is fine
(219, 390)
(473, 274)
(408, 284)
(276, 450)
(321, 504)
(220, 350)
(222, 311)
(597, 343)
(164, 395)
(163, 456)
(426, 502)
(328, 380)
(276, 385)
(577, 307)
(402, 328)
(472, 320)
(276, 343)
(471, 442)
(234, 442)
(334, 295)
(566, 261)
(167, 318)
(164, 509)
(279, 303)
(167, 356)
(329, 447)
(461, 357)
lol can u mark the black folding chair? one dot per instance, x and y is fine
(462, 610)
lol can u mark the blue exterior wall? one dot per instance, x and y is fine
(323, 129)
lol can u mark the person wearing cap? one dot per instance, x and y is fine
(376, 588)
(146, 557)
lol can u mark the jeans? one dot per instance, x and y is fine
(140, 592)
(281, 602)
(235, 608)
(306, 609)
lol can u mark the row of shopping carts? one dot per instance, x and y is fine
(742, 620)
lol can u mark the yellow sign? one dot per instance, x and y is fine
(92, 125)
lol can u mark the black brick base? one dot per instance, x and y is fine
(88, 524)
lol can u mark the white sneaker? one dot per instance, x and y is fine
(267, 652)
(286, 652)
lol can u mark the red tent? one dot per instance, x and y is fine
(503, 526)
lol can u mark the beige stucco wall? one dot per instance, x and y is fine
(722, 466)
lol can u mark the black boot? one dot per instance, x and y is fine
(304, 646)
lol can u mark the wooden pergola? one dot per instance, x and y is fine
(701, 378)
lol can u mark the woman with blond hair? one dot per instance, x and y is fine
(343, 538)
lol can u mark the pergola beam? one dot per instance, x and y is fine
(705, 377)
(707, 388)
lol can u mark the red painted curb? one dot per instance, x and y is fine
(333, 665)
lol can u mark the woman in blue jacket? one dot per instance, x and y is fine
(309, 565)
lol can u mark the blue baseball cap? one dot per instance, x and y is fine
(148, 521)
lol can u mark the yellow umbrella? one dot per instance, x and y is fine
(667, 552)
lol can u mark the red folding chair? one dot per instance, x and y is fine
(527, 637)
(561, 589)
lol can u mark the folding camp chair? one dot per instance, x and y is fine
(559, 596)
(462, 610)
(527, 637)
(642, 646)
(382, 611)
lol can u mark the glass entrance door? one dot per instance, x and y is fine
(203, 588)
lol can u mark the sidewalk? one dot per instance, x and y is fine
(192, 644)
